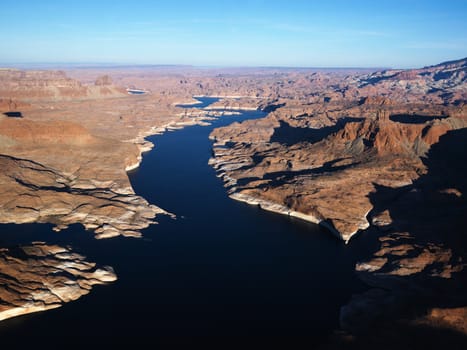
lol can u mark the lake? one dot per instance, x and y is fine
(220, 272)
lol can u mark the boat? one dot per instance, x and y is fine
(136, 91)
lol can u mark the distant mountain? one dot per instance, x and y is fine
(454, 63)
(442, 83)
(54, 85)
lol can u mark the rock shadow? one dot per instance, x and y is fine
(433, 208)
(414, 118)
(376, 79)
(289, 135)
(428, 231)
(278, 178)
(15, 114)
(272, 107)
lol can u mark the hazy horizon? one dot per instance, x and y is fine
(277, 34)
(110, 65)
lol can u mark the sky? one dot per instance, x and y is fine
(293, 33)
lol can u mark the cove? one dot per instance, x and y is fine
(221, 272)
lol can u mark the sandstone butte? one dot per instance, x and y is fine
(354, 150)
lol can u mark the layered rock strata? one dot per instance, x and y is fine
(344, 148)
(59, 173)
(40, 277)
(323, 178)
(418, 272)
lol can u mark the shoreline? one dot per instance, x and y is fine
(193, 102)
(32, 281)
(202, 120)
(231, 109)
(229, 184)
(226, 96)
(283, 210)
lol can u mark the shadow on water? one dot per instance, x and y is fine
(221, 269)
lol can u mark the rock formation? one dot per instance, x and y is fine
(354, 150)
(51, 85)
(379, 153)
(421, 258)
(40, 277)
(327, 179)
(58, 172)
(103, 80)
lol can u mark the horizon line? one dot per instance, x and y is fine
(90, 64)
(28, 65)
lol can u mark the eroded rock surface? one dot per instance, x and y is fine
(345, 148)
(54, 85)
(327, 174)
(418, 273)
(40, 277)
(320, 156)
(59, 173)
(382, 153)
(67, 145)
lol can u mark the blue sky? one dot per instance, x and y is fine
(309, 33)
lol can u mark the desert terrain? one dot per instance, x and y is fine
(352, 150)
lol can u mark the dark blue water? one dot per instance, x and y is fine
(222, 272)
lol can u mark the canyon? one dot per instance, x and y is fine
(355, 151)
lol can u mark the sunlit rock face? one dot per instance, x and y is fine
(327, 176)
(57, 172)
(349, 149)
(39, 277)
(380, 154)
(418, 271)
(323, 153)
